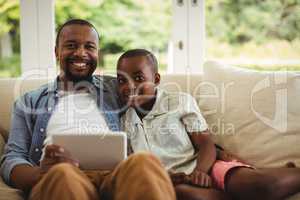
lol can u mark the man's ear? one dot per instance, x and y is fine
(56, 53)
(157, 78)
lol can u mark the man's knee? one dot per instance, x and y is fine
(62, 170)
(143, 158)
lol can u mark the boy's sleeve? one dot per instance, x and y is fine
(191, 116)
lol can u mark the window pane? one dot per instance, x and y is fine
(123, 25)
(256, 34)
(9, 38)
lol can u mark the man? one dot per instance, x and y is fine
(75, 101)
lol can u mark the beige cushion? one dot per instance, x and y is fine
(8, 193)
(2, 143)
(10, 90)
(253, 114)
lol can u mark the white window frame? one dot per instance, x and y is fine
(188, 37)
(37, 28)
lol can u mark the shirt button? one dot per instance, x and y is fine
(36, 149)
(42, 130)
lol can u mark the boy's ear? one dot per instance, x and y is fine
(157, 78)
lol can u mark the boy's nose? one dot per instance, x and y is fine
(132, 89)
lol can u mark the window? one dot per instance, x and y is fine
(9, 38)
(123, 25)
(254, 34)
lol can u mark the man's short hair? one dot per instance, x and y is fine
(72, 22)
(141, 52)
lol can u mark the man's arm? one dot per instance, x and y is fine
(24, 177)
(18, 145)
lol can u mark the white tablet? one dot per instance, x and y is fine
(95, 151)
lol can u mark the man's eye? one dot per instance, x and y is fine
(90, 47)
(70, 46)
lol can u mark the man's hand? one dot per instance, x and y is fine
(55, 154)
(200, 179)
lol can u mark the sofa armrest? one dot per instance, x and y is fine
(7, 192)
(10, 193)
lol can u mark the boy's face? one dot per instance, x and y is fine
(136, 81)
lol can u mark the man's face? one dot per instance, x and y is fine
(77, 52)
(136, 81)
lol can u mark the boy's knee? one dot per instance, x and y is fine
(183, 193)
(266, 186)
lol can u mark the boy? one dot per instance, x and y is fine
(171, 126)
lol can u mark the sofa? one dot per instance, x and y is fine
(255, 115)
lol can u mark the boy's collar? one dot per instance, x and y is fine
(161, 106)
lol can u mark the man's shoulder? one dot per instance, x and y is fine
(105, 78)
(35, 94)
(107, 81)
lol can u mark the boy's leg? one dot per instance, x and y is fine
(64, 181)
(189, 192)
(141, 176)
(264, 184)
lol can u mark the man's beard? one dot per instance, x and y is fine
(77, 78)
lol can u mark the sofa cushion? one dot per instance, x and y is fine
(255, 115)
(9, 193)
(10, 90)
(2, 143)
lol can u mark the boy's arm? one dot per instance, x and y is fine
(206, 157)
(206, 150)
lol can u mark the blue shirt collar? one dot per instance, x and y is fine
(97, 81)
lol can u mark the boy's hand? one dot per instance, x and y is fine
(55, 154)
(200, 178)
(228, 157)
(178, 178)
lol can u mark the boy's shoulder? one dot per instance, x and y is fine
(174, 100)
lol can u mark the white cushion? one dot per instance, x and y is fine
(255, 115)
(10, 90)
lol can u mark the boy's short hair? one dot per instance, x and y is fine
(72, 22)
(141, 52)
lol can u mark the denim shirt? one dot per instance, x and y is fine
(32, 112)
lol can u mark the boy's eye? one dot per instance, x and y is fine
(121, 80)
(139, 78)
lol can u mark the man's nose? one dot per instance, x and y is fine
(80, 51)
